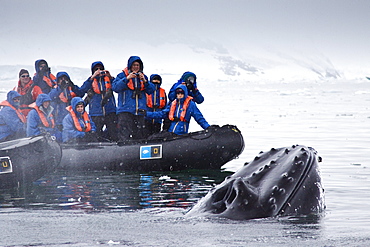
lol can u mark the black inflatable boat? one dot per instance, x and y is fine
(25, 160)
(207, 149)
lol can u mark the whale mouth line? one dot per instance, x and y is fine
(305, 173)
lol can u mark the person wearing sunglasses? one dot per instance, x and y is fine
(12, 120)
(132, 85)
(179, 112)
(189, 79)
(28, 91)
(43, 77)
(101, 101)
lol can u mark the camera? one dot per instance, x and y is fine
(137, 74)
(102, 72)
(63, 83)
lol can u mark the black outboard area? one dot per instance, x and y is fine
(283, 181)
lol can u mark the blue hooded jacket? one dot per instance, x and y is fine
(10, 124)
(59, 106)
(38, 79)
(95, 108)
(34, 124)
(128, 101)
(156, 98)
(181, 127)
(69, 129)
(197, 96)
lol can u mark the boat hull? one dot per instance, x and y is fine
(25, 160)
(208, 149)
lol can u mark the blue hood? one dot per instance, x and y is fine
(42, 98)
(10, 96)
(160, 79)
(133, 59)
(62, 73)
(94, 64)
(37, 63)
(75, 101)
(183, 87)
(186, 75)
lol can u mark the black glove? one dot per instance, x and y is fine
(190, 86)
(142, 111)
(63, 84)
(176, 119)
(71, 84)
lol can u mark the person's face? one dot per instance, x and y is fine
(46, 104)
(98, 68)
(25, 78)
(135, 67)
(17, 99)
(80, 108)
(62, 78)
(180, 95)
(42, 66)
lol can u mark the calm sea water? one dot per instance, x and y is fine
(131, 209)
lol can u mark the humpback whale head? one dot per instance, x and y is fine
(283, 181)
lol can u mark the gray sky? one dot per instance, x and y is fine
(76, 33)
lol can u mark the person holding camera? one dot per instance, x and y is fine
(132, 85)
(77, 124)
(189, 79)
(101, 101)
(43, 77)
(61, 97)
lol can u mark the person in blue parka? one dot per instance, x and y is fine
(12, 120)
(43, 78)
(189, 79)
(40, 119)
(132, 85)
(180, 111)
(61, 97)
(157, 101)
(102, 104)
(77, 124)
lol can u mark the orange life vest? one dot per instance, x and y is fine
(63, 98)
(183, 109)
(130, 84)
(85, 118)
(162, 99)
(43, 117)
(52, 81)
(19, 113)
(95, 84)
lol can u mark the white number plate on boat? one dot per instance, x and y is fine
(151, 152)
(5, 165)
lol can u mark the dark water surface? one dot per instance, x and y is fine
(133, 209)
